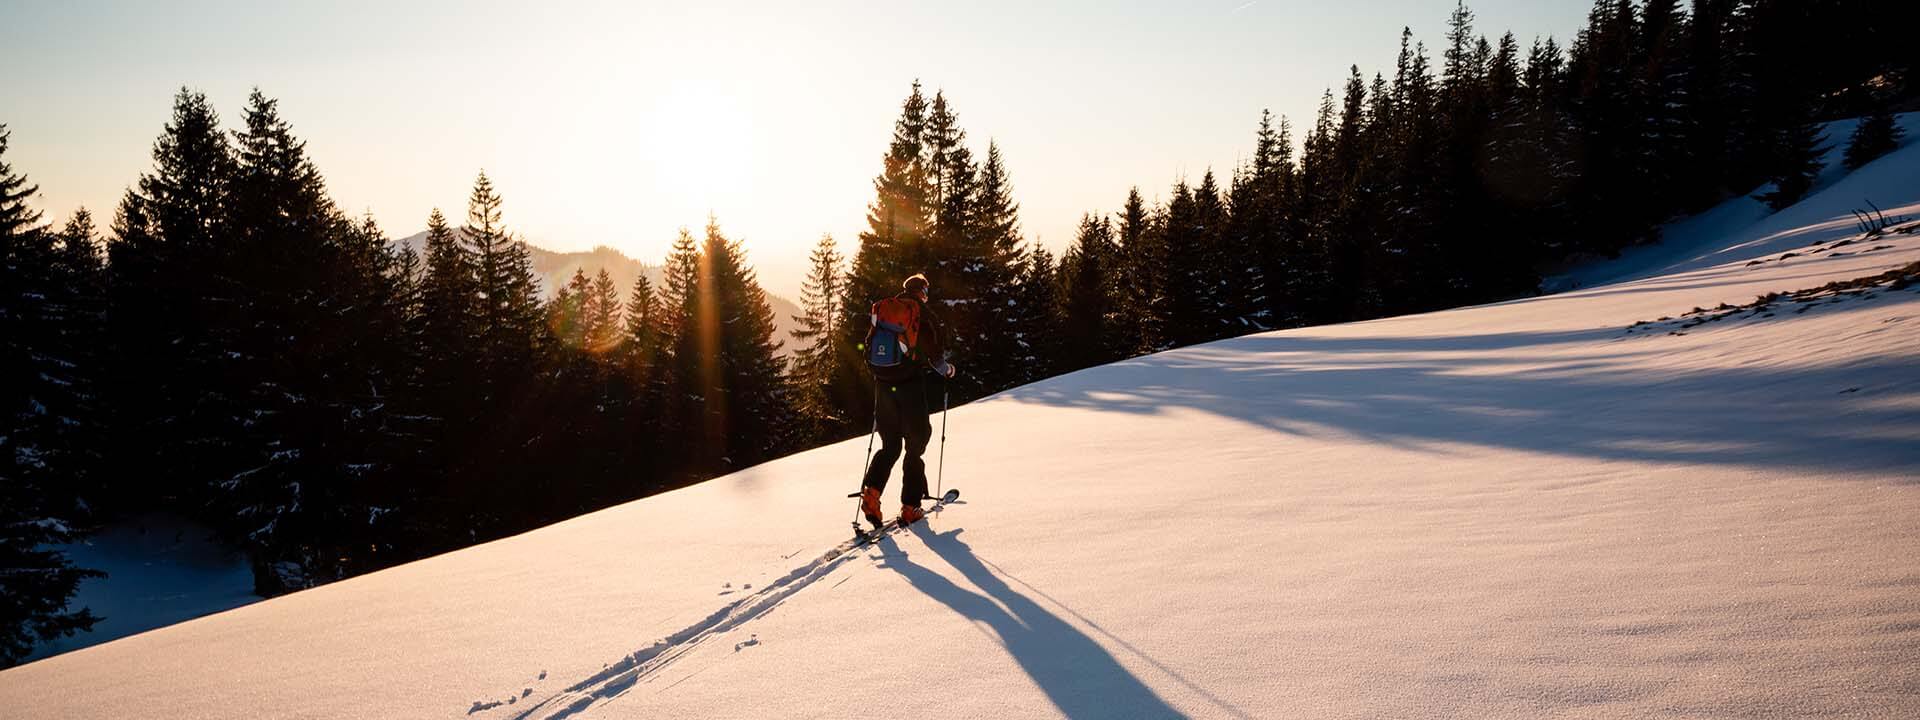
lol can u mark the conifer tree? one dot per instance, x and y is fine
(566, 313)
(1088, 327)
(894, 245)
(449, 292)
(602, 315)
(1707, 119)
(962, 262)
(170, 316)
(724, 356)
(818, 361)
(648, 427)
(682, 313)
(1348, 212)
(992, 265)
(76, 308)
(643, 337)
(1797, 148)
(1184, 251)
(1316, 201)
(1195, 234)
(1143, 278)
(1039, 319)
(1876, 135)
(37, 449)
(313, 360)
(446, 329)
(510, 331)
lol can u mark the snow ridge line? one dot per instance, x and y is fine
(621, 676)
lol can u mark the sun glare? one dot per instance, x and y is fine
(697, 145)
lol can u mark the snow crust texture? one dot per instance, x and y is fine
(1516, 510)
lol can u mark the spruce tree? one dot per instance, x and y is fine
(819, 359)
(314, 358)
(510, 331)
(1876, 135)
(566, 312)
(1142, 270)
(1347, 213)
(1039, 319)
(172, 315)
(1708, 117)
(1088, 326)
(647, 429)
(38, 449)
(680, 369)
(962, 262)
(1199, 306)
(1797, 148)
(992, 270)
(602, 315)
(446, 331)
(642, 338)
(725, 355)
(1316, 203)
(1183, 250)
(449, 290)
(894, 245)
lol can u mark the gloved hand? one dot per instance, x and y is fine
(945, 370)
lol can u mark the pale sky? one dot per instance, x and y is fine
(618, 123)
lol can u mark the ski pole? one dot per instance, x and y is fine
(943, 437)
(866, 461)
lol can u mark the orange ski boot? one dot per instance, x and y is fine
(870, 505)
(910, 514)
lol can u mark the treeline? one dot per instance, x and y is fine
(236, 349)
(1423, 188)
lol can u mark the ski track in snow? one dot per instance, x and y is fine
(623, 675)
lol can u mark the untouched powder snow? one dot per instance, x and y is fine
(1514, 510)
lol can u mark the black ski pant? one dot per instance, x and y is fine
(900, 416)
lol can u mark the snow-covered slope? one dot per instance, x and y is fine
(1527, 509)
(1742, 228)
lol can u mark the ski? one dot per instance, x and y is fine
(863, 537)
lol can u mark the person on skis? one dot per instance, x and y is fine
(903, 345)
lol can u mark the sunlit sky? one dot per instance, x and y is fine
(618, 123)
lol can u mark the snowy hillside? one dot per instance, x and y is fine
(1530, 509)
(1743, 228)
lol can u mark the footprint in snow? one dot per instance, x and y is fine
(747, 643)
(479, 706)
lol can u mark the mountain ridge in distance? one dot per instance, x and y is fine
(553, 268)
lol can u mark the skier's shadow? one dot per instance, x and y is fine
(1081, 678)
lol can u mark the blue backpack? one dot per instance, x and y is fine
(896, 328)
